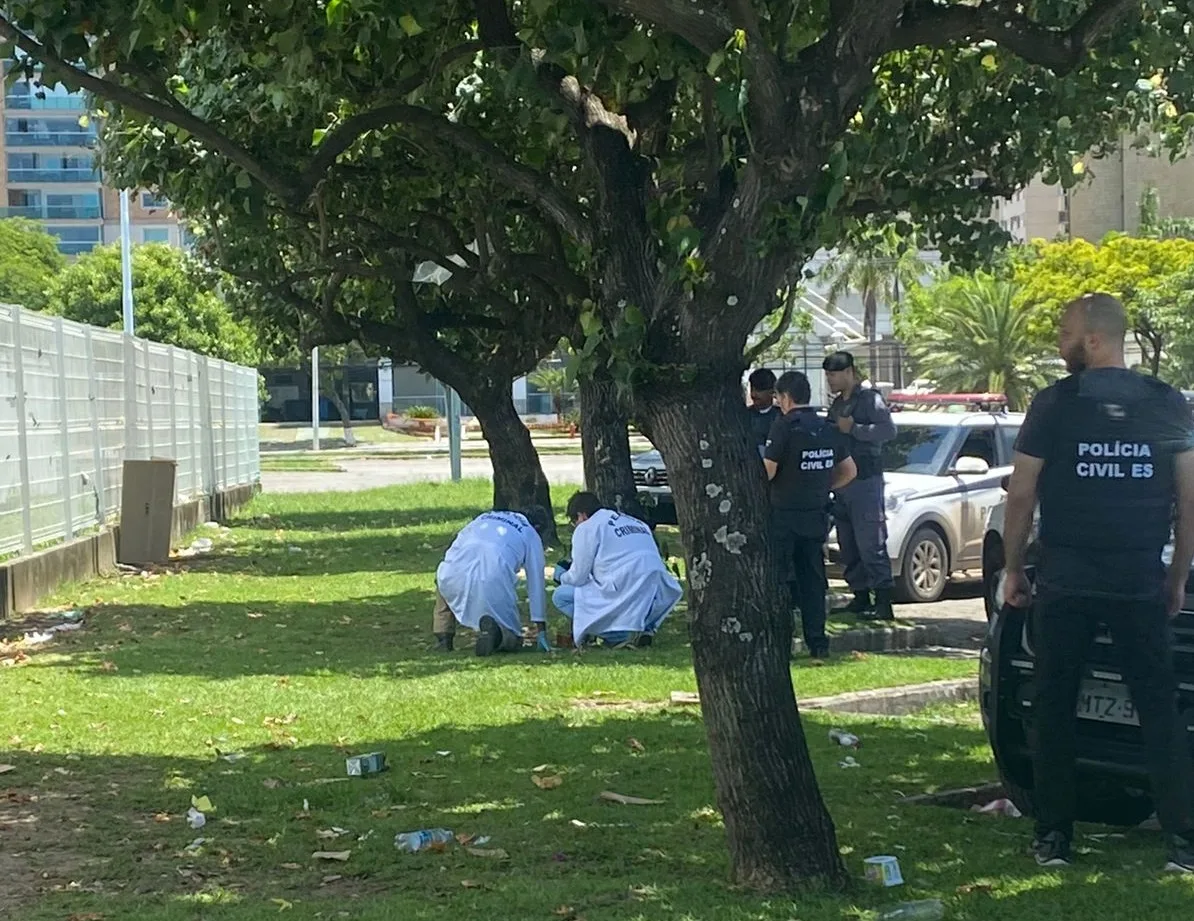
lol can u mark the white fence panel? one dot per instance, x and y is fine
(76, 400)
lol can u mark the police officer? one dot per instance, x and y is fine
(859, 512)
(763, 411)
(1108, 452)
(805, 457)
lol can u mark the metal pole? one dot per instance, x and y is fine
(18, 360)
(126, 262)
(454, 433)
(68, 508)
(315, 398)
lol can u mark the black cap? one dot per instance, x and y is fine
(838, 361)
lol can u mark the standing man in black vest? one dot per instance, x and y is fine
(1108, 452)
(859, 511)
(805, 457)
(763, 411)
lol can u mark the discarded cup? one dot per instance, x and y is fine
(883, 870)
(363, 765)
(195, 818)
(926, 910)
(413, 841)
(844, 739)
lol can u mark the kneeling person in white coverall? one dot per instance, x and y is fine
(477, 582)
(616, 587)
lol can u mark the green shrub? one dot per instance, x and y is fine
(422, 412)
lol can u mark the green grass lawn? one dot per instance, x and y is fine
(303, 639)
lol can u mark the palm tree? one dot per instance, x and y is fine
(555, 382)
(879, 267)
(980, 340)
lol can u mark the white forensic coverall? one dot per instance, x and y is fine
(479, 573)
(621, 583)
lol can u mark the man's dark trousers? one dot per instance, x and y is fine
(1063, 629)
(801, 564)
(860, 516)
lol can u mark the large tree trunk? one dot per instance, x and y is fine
(328, 386)
(605, 444)
(780, 833)
(518, 479)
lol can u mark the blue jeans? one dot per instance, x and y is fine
(564, 598)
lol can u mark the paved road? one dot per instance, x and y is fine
(369, 474)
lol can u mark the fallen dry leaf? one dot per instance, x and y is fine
(636, 745)
(162, 817)
(331, 855)
(624, 800)
(493, 853)
(271, 783)
(539, 769)
(547, 782)
(471, 884)
(292, 866)
(282, 904)
(968, 888)
(464, 840)
(333, 878)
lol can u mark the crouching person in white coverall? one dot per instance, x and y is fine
(617, 586)
(477, 582)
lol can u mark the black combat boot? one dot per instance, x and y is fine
(883, 609)
(489, 636)
(861, 603)
(445, 642)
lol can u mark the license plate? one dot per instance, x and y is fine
(1106, 703)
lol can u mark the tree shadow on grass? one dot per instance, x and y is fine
(106, 834)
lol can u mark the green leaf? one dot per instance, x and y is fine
(635, 47)
(988, 62)
(716, 59)
(243, 180)
(409, 25)
(590, 323)
(317, 136)
(334, 11)
(582, 41)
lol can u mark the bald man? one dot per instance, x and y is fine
(1109, 453)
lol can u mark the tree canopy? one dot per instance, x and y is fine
(175, 301)
(29, 261)
(659, 167)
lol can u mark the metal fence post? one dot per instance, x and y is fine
(22, 431)
(131, 430)
(170, 356)
(97, 453)
(207, 433)
(64, 430)
(152, 444)
(223, 484)
(196, 429)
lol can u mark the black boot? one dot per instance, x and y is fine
(883, 609)
(861, 603)
(445, 642)
(489, 636)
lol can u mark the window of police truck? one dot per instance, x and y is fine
(916, 449)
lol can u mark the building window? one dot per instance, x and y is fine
(155, 235)
(151, 201)
(75, 240)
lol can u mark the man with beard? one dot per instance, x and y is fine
(1109, 453)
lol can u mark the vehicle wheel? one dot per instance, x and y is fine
(926, 568)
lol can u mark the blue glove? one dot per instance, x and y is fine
(557, 572)
(544, 643)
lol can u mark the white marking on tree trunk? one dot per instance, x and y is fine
(746, 637)
(706, 463)
(713, 490)
(737, 202)
(725, 506)
(731, 625)
(699, 572)
(732, 300)
(704, 445)
(732, 541)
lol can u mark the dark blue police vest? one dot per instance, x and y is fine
(1108, 482)
(806, 471)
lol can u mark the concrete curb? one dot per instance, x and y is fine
(891, 638)
(898, 701)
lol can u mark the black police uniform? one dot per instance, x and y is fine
(761, 422)
(1108, 438)
(805, 448)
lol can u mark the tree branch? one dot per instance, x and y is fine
(767, 94)
(781, 327)
(351, 129)
(146, 105)
(1059, 50)
(699, 24)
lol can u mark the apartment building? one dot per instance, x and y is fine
(50, 175)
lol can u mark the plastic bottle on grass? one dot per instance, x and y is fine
(412, 841)
(927, 910)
